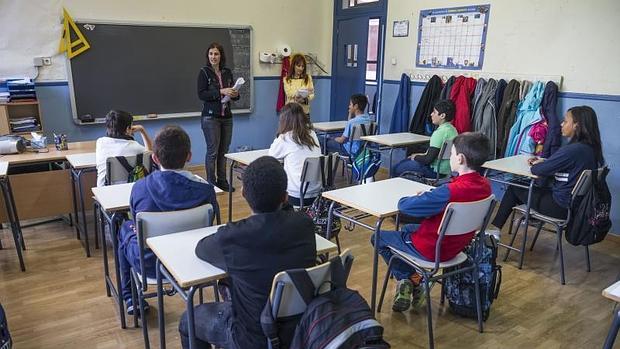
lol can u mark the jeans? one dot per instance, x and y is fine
(542, 201)
(412, 165)
(218, 134)
(213, 325)
(400, 240)
(129, 256)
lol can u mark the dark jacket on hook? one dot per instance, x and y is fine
(400, 115)
(445, 92)
(430, 95)
(484, 116)
(499, 94)
(506, 114)
(549, 111)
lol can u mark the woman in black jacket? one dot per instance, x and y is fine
(215, 81)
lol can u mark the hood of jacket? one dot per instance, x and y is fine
(171, 191)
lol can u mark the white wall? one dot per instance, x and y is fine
(303, 25)
(573, 38)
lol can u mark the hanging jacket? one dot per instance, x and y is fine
(400, 115)
(286, 65)
(445, 92)
(425, 106)
(499, 94)
(506, 114)
(519, 140)
(484, 115)
(460, 94)
(524, 89)
(553, 141)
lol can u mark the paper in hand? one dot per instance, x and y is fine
(238, 84)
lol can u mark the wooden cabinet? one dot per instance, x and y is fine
(19, 110)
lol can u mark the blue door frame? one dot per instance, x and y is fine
(344, 83)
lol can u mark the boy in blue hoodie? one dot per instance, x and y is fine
(169, 189)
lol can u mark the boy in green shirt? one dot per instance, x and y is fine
(428, 164)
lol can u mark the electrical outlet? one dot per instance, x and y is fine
(47, 60)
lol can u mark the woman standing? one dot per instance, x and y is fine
(214, 82)
(298, 86)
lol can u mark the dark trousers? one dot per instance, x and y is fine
(218, 134)
(129, 256)
(213, 323)
(542, 201)
(335, 147)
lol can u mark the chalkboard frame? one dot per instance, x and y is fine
(101, 120)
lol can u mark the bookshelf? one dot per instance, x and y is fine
(18, 110)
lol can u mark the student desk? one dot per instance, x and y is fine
(516, 165)
(395, 140)
(378, 199)
(11, 213)
(327, 128)
(613, 292)
(80, 164)
(243, 158)
(178, 263)
(111, 204)
(43, 194)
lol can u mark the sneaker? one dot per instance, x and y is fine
(494, 233)
(130, 307)
(223, 184)
(418, 297)
(402, 298)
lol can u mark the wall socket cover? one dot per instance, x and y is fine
(47, 60)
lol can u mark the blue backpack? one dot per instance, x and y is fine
(460, 289)
(365, 165)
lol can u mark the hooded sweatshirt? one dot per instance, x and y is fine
(549, 111)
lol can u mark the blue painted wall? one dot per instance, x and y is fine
(607, 109)
(256, 129)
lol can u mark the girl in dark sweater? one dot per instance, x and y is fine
(583, 152)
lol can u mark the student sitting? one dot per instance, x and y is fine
(428, 164)
(296, 141)
(169, 189)
(118, 141)
(469, 151)
(583, 152)
(252, 251)
(357, 116)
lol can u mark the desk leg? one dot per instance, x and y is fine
(230, 181)
(527, 222)
(121, 302)
(160, 306)
(390, 163)
(190, 317)
(613, 331)
(84, 225)
(325, 143)
(104, 247)
(375, 266)
(75, 212)
(13, 220)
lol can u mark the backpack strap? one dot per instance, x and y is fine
(123, 161)
(337, 273)
(269, 325)
(303, 283)
(330, 172)
(322, 165)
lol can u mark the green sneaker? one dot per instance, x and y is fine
(402, 298)
(418, 297)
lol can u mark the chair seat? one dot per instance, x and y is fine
(460, 258)
(539, 216)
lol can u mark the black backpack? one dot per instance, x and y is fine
(460, 288)
(319, 210)
(589, 222)
(339, 318)
(134, 173)
(5, 336)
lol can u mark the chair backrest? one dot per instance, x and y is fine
(360, 130)
(286, 300)
(152, 224)
(445, 151)
(116, 173)
(462, 218)
(584, 182)
(319, 169)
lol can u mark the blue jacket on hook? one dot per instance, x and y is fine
(400, 115)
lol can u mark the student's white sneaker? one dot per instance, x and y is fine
(495, 233)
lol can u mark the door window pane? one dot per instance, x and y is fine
(354, 3)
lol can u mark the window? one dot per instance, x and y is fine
(373, 49)
(355, 3)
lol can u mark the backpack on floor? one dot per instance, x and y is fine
(365, 165)
(134, 173)
(590, 221)
(5, 336)
(460, 288)
(319, 209)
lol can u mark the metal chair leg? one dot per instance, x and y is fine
(145, 327)
(588, 258)
(385, 282)
(134, 299)
(512, 222)
(512, 240)
(540, 225)
(429, 315)
(559, 234)
(478, 299)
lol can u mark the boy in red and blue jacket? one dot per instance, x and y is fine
(469, 151)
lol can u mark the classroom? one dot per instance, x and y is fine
(309, 174)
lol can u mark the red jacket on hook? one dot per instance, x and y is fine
(286, 65)
(460, 94)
